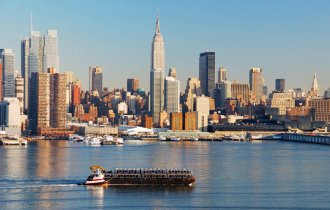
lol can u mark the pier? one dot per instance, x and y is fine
(306, 138)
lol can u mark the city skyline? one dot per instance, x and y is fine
(279, 37)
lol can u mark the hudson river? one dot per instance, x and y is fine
(228, 175)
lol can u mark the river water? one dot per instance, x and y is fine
(264, 175)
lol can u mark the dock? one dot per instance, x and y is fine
(306, 138)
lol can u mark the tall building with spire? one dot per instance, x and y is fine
(157, 74)
(315, 86)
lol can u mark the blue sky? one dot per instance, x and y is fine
(289, 39)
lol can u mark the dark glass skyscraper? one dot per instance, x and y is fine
(96, 79)
(207, 72)
(280, 85)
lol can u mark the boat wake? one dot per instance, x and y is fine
(24, 184)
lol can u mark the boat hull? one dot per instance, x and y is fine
(151, 182)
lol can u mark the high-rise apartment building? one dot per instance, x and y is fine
(8, 73)
(132, 85)
(280, 85)
(157, 74)
(47, 100)
(256, 83)
(207, 72)
(172, 95)
(19, 91)
(202, 106)
(96, 79)
(222, 74)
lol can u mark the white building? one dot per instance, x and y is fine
(19, 91)
(172, 95)
(10, 113)
(202, 106)
(122, 108)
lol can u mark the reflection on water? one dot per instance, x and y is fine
(228, 175)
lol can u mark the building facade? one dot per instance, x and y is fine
(193, 89)
(176, 121)
(207, 72)
(321, 109)
(19, 91)
(222, 74)
(202, 107)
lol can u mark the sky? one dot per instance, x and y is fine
(286, 38)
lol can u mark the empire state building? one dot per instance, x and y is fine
(157, 74)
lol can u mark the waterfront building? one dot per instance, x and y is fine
(193, 89)
(163, 119)
(9, 113)
(321, 109)
(280, 85)
(146, 121)
(222, 74)
(231, 105)
(8, 72)
(172, 72)
(172, 95)
(96, 79)
(47, 100)
(241, 92)
(256, 83)
(19, 91)
(132, 85)
(190, 121)
(157, 74)
(282, 101)
(176, 121)
(202, 106)
(207, 72)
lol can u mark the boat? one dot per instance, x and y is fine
(94, 141)
(96, 178)
(142, 176)
(194, 138)
(174, 138)
(110, 140)
(12, 140)
(162, 138)
(76, 138)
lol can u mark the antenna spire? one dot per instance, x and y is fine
(31, 25)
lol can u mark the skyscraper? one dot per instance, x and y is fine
(157, 74)
(132, 85)
(172, 95)
(315, 86)
(96, 79)
(193, 89)
(38, 53)
(207, 72)
(256, 83)
(280, 85)
(8, 72)
(50, 52)
(222, 74)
